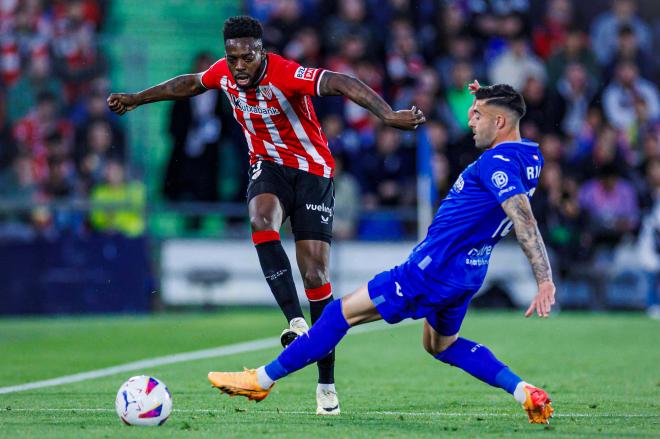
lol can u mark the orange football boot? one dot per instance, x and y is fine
(239, 383)
(538, 405)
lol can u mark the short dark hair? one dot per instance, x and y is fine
(242, 26)
(503, 95)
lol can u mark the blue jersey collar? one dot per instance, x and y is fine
(522, 141)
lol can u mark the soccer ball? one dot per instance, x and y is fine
(143, 400)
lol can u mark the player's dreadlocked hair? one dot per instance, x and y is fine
(242, 26)
(503, 95)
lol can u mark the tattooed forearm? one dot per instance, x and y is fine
(519, 211)
(337, 84)
(182, 86)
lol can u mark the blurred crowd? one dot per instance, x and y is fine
(588, 72)
(58, 141)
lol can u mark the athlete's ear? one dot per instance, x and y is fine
(500, 121)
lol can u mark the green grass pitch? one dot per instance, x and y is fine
(603, 372)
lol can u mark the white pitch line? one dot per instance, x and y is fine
(367, 413)
(237, 348)
(223, 351)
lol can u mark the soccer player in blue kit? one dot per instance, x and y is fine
(448, 267)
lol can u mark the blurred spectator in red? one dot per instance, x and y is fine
(574, 50)
(515, 64)
(605, 30)
(75, 47)
(88, 11)
(622, 99)
(550, 36)
(31, 131)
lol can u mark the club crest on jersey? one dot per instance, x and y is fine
(266, 91)
(499, 179)
(305, 73)
(458, 186)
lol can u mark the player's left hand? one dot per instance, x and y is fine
(405, 119)
(543, 301)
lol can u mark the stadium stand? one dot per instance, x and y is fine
(587, 72)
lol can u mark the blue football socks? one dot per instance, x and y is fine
(477, 360)
(322, 338)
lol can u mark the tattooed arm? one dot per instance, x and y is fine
(182, 86)
(338, 84)
(520, 213)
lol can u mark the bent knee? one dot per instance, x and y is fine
(260, 221)
(437, 345)
(315, 277)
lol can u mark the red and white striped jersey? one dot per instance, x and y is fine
(277, 115)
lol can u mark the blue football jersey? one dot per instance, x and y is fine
(470, 220)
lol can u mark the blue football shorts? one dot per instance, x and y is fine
(404, 292)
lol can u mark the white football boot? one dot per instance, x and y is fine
(297, 326)
(327, 402)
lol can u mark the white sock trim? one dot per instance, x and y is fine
(330, 387)
(265, 382)
(519, 394)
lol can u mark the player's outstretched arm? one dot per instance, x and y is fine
(338, 84)
(179, 87)
(520, 213)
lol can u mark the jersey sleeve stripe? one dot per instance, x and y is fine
(201, 80)
(317, 86)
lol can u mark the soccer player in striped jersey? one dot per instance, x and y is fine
(291, 164)
(444, 271)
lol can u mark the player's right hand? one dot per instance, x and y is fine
(120, 103)
(405, 119)
(543, 300)
(474, 87)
